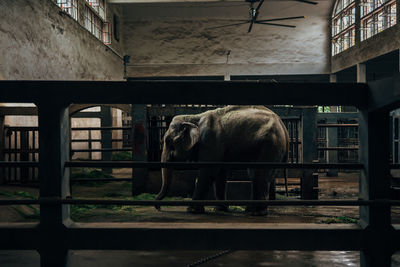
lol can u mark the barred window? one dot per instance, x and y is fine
(376, 16)
(98, 6)
(69, 6)
(343, 26)
(95, 25)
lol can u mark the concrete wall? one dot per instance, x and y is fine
(176, 40)
(38, 41)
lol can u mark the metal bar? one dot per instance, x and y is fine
(129, 164)
(21, 128)
(338, 148)
(197, 165)
(93, 140)
(208, 236)
(170, 92)
(15, 153)
(101, 150)
(21, 150)
(338, 125)
(58, 201)
(76, 180)
(99, 128)
(14, 164)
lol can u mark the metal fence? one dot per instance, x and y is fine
(374, 236)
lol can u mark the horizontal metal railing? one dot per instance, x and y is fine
(194, 165)
(59, 201)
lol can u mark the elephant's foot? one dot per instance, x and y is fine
(195, 209)
(257, 211)
(221, 209)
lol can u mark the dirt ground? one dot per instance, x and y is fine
(345, 186)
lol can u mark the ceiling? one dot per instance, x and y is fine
(166, 33)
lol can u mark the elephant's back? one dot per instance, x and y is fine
(254, 130)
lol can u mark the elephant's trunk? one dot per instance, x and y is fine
(167, 175)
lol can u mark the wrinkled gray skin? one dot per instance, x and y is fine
(233, 133)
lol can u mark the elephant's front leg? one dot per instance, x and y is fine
(202, 186)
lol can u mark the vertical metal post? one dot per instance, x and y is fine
(106, 136)
(54, 140)
(332, 137)
(374, 185)
(24, 155)
(2, 147)
(139, 147)
(309, 127)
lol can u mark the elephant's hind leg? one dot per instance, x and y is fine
(220, 190)
(261, 180)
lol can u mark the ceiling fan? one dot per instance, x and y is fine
(254, 15)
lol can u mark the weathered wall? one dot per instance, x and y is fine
(379, 44)
(38, 41)
(176, 40)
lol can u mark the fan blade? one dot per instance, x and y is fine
(251, 26)
(229, 25)
(266, 20)
(274, 24)
(307, 2)
(260, 4)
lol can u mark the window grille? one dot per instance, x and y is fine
(98, 6)
(94, 24)
(343, 26)
(107, 33)
(69, 6)
(376, 16)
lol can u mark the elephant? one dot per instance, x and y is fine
(228, 134)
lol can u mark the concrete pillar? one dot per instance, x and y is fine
(309, 127)
(361, 73)
(139, 147)
(227, 77)
(106, 136)
(333, 78)
(375, 185)
(2, 146)
(54, 140)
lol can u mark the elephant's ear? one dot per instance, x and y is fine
(189, 135)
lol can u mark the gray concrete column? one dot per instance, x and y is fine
(333, 78)
(309, 127)
(139, 147)
(374, 185)
(361, 73)
(54, 140)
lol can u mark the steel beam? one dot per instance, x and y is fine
(192, 92)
